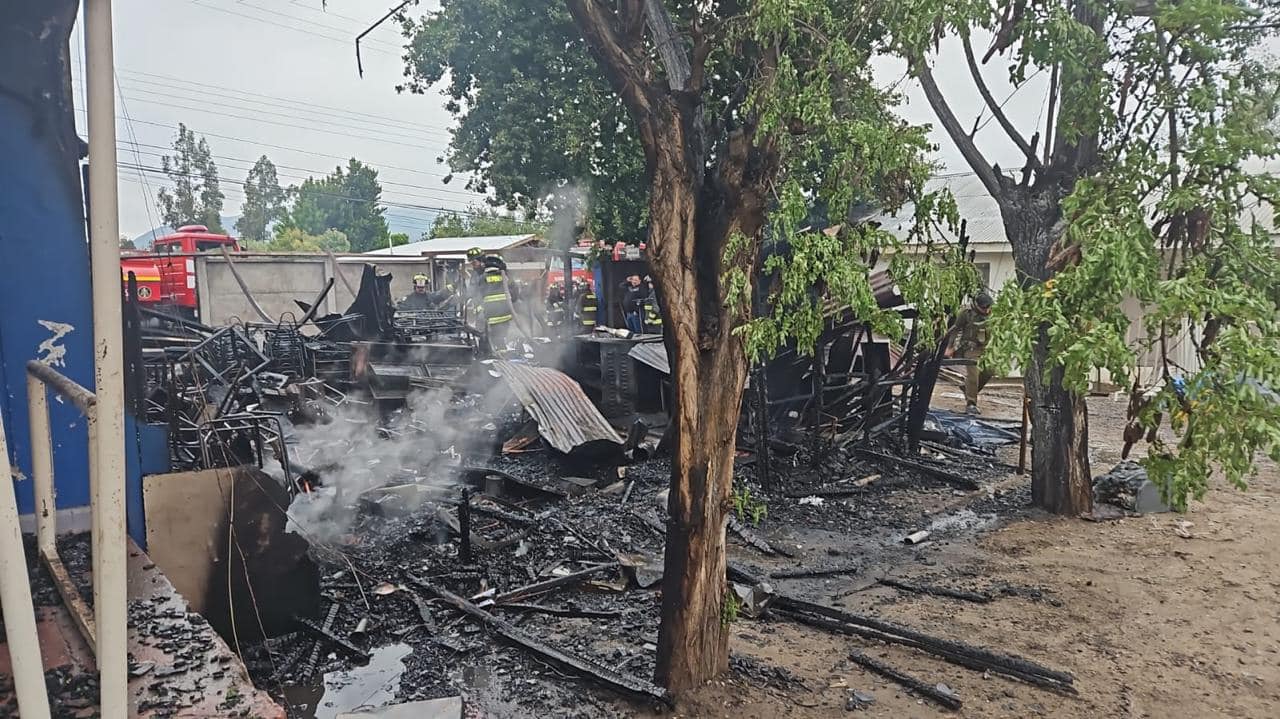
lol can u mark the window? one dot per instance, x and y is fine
(984, 273)
(208, 246)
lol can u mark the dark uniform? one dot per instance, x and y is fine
(416, 301)
(971, 341)
(586, 308)
(497, 308)
(652, 315)
(555, 306)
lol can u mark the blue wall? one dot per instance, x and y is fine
(44, 261)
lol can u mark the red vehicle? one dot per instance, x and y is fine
(167, 274)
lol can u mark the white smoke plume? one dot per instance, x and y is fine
(569, 205)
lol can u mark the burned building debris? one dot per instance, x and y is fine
(450, 496)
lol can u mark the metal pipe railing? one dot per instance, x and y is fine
(15, 603)
(106, 429)
(109, 574)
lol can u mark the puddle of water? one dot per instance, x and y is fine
(371, 686)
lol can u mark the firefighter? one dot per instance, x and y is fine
(634, 294)
(585, 307)
(555, 305)
(970, 342)
(419, 299)
(652, 310)
(489, 288)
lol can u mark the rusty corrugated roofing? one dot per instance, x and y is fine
(653, 354)
(565, 416)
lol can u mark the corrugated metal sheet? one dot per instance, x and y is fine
(565, 416)
(653, 354)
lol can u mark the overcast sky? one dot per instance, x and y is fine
(278, 77)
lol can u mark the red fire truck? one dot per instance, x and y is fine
(167, 274)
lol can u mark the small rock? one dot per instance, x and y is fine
(859, 700)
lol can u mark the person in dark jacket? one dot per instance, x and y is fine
(419, 299)
(970, 342)
(634, 294)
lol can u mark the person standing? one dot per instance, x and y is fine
(970, 341)
(652, 310)
(585, 307)
(634, 294)
(419, 299)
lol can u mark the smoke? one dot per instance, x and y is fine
(358, 450)
(569, 205)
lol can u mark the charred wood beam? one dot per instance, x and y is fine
(814, 572)
(539, 588)
(572, 612)
(334, 639)
(578, 665)
(973, 657)
(949, 701)
(755, 540)
(929, 589)
(935, 472)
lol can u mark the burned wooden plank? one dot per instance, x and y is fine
(625, 684)
(755, 540)
(334, 639)
(950, 701)
(935, 472)
(966, 655)
(451, 521)
(538, 588)
(935, 591)
(571, 612)
(804, 572)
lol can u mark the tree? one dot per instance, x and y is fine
(349, 202)
(481, 222)
(395, 239)
(1155, 111)
(264, 202)
(196, 198)
(574, 141)
(735, 115)
(127, 244)
(295, 240)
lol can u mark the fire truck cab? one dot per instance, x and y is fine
(166, 276)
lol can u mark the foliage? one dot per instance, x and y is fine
(482, 222)
(1174, 216)
(127, 244)
(395, 239)
(264, 202)
(748, 507)
(347, 201)
(538, 124)
(731, 609)
(293, 239)
(196, 198)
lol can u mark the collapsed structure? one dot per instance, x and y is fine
(426, 477)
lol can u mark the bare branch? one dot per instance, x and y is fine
(1054, 77)
(947, 117)
(996, 111)
(616, 52)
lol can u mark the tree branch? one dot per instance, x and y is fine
(995, 108)
(615, 51)
(968, 149)
(669, 44)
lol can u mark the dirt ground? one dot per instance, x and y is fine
(1156, 616)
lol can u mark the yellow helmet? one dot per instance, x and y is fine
(475, 253)
(420, 279)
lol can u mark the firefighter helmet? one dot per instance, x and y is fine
(475, 253)
(419, 280)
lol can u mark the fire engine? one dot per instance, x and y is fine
(166, 275)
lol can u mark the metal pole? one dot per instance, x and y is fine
(42, 466)
(110, 552)
(15, 602)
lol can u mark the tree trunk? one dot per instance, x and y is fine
(1060, 479)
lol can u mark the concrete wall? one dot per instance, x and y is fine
(276, 280)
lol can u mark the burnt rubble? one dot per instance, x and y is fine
(493, 527)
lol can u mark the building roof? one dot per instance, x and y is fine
(985, 226)
(456, 245)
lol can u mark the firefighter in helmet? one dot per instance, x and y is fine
(585, 306)
(491, 296)
(419, 299)
(652, 310)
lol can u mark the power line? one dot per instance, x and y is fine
(312, 172)
(248, 165)
(296, 18)
(294, 28)
(159, 80)
(344, 158)
(397, 140)
(146, 188)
